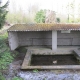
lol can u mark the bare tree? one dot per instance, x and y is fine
(32, 10)
(50, 17)
(71, 11)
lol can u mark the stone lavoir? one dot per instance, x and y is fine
(46, 39)
(48, 35)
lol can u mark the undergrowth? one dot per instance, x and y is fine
(2, 77)
(6, 56)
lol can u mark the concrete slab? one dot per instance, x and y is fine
(47, 51)
(53, 67)
(27, 60)
(60, 50)
(77, 54)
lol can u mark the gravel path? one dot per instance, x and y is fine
(14, 70)
(50, 75)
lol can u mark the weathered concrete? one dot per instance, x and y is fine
(27, 60)
(77, 53)
(43, 38)
(54, 40)
(53, 67)
(47, 51)
(13, 40)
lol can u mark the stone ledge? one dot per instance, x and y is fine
(27, 60)
(77, 54)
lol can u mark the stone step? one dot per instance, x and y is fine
(77, 53)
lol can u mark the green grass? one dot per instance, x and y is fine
(6, 56)
(2, 77)
(17, 78)
(35, 71)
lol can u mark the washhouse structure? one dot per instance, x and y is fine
(47, 35)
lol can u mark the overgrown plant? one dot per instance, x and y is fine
(5, 55)
(17, 78)
(2, 77)
(35, 70)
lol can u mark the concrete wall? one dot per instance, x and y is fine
(35, 38)
(13, 40)
(45, 38)
(72, 38)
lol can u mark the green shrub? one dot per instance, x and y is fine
(40, 16)
(35, 70)
(17, 78)
(2, 77)
(58, 20)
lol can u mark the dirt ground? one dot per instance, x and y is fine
(54, 60)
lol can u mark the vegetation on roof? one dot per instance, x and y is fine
(44, 27)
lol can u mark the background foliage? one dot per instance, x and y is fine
(40, 16)
(3, 13)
